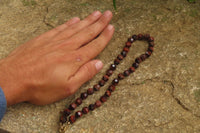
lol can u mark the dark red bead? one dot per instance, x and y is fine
(125, 49)
(126, 73)
(135, 65)
(105, 78)
(111, 88)
(72, 106)
(132, 69)
(128, 44)
(107, 93)
(90, 91)
(134, 37)
(91, 107)
(98, 103)
(85, 110)
(72, 119)
(96, 87)
(103, 99)
(115, 81)
(140, 36)
(113, 67)
(151, 39)
(63, 119)
(84, 95)
(151, 44)
(101, 82)
(143, 57)
(109, 72)
(116, 61)
(131, 39)
(123, 53)
(146, 36)
(150, 49)
(78, 101)
(138, 60)
(66, 112)
(148, 53)
(120, 57)
(78, 114)
(120, 76)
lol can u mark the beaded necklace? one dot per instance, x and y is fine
(70, 119)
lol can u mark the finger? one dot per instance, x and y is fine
(85, 73)
(90, 32)
(91, 50)
(68, 32)
(60, 28)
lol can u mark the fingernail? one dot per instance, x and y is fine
(96, 13)
(108, 13)
(110, 27)
(75, 19)
(99, 65)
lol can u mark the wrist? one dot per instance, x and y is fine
(9, 84)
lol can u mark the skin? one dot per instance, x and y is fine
(55, 64)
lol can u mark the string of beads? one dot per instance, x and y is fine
(66, 114)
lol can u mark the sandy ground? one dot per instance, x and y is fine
(163, 95)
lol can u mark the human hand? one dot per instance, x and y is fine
(55, 64)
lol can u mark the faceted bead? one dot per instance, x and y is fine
(63, 119)
(132, 69)
(123, 53)
(120, 76)
(143, 57)
(150, 49)
(151, 44)
(78, 101)
(115, 81)
(113, 67)
(135, 65)
(134, 37)
(148, 53)
(66, 112)
(111, 88)
(103, 99)
(116, 61)
(96, 87)
(120, 57)
(98, 103)
(107, 93)
(131, 39)
(138, 60)
(101, 82)
(126, 73)
(91, 107)
(151, 39)
(90, 91)
(72, 106)
(85, 110)
(105, 78)
(140, 36)
(78, 114)
(109, 72)
(125, 49)
(128, 44)
(146, 36)
(72, 119)
(84, 95)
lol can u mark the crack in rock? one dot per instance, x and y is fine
(44, 19)
(172, 93)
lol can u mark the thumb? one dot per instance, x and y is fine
(86, 72)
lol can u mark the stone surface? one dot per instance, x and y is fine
(163, 95)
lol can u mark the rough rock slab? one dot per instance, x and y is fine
(163, 95)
